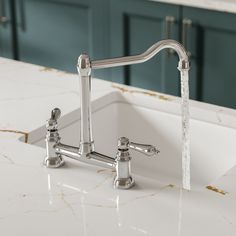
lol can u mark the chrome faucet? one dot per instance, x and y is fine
(85, 152)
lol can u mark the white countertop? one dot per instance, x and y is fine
(79, 200)
(217, 5)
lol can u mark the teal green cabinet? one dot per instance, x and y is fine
(211, 39)
(135, 26)
(208, 36)
(6, 37)
(55, 32)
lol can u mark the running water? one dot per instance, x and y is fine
(185, 130)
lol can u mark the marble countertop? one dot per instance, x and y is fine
(217, 5)
(80, 200)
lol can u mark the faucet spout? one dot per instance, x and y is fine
(147, 55)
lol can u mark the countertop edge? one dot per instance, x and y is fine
(216, 5)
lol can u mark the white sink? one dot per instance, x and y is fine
(156, 121)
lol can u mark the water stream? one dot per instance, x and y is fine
(185, 129)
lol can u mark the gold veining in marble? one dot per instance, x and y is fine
(151, 94)
(171, 185)
(215, 189)
(17, 132)
(48, 69)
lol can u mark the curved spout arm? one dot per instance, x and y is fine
(151, 52)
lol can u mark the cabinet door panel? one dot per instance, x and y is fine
(135, 26)
(145, 74)
(55, 33)
(219, 81)
(213, 64)
(6, 43)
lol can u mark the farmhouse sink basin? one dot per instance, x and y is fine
(154, 120)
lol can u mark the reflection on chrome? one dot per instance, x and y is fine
(49, 190)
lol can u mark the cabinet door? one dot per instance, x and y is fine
(54, 33)
(135, 26)
(211, 40)
(6, 43)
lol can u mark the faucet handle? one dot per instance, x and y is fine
(55, 114)
(146, 149)
(123, 178)
(52, 122)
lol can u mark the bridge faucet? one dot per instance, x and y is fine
(86, 151)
